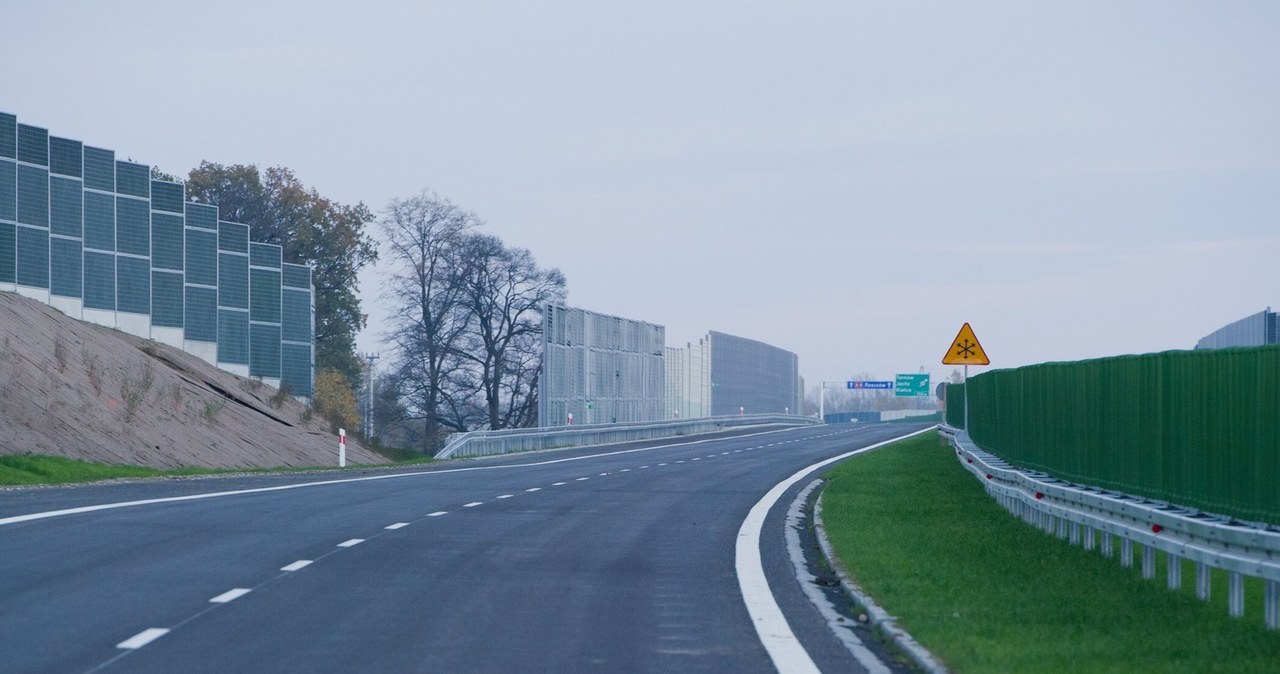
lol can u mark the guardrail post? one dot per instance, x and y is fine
(1235, 594)
(1106, 544)
(1148, 562)
(1173, 570)
(1202, 581)
(1075, 533)
(1088, 538)
(1126, 553)
(1062, 528)
(1272, 605)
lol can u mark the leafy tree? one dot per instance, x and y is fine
(158, 174)
(334, 399)
(311, 229)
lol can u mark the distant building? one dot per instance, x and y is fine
(99, 240)
(723, 375)
(599, 368)
(1254, 330)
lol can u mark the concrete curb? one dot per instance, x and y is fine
(887, 624)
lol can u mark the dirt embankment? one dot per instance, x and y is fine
(78, 390)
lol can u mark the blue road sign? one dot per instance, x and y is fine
(886, 385)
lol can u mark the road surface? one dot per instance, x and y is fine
(609, 559)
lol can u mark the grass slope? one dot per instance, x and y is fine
(32, 469)
(986, 592)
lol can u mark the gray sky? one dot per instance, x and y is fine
(851, 181)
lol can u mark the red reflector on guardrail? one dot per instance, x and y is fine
(988, 476)
(1039, 495)
(1156, 528)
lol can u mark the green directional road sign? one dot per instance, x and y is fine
(915, 385)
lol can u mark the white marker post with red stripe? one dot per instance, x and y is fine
(342, 448)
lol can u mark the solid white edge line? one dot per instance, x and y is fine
(296, 565)
(15, 519)
(775, 633)
(230, 595)
(142, 638)
(350, 542)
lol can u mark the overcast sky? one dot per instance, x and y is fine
(851, 181)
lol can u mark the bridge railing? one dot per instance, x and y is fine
(488, 443)
(1096, 518)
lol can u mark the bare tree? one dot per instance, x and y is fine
(424, 236)
(505, 290)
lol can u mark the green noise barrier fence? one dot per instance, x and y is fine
(1194, 428)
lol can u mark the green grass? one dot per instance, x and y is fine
(986, 592)
(37, 469)
(33, 469)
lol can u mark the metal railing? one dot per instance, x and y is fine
(488, 443)
(1095, 517)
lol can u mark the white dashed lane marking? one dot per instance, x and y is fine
(438, 513)
(397, 525)
(506, 496)
(473, 504)
(230, 595)
(533, 489)
(350, 542)
(142, 638)
(558, 484)
(296, 565)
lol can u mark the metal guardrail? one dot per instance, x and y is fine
(1094, 517)
(488, 443)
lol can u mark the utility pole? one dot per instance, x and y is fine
(368, 410)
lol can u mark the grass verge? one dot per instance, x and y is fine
(33, 469)
(986, 592)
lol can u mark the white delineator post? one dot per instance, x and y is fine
(342, 448)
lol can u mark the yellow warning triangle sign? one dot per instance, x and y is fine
(966, 350)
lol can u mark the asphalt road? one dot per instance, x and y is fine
(601, 559)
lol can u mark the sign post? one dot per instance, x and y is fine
(964, 350)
